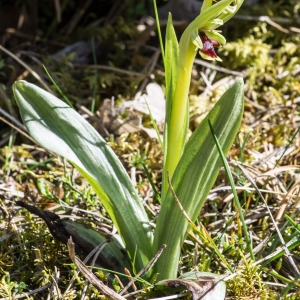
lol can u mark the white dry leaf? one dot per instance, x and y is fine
(109, 115)
(135, 109)
(155, 99)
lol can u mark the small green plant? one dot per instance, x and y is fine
(191, 164)
(9, 288)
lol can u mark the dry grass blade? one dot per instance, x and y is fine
(145, 269)
(272, 218)
(17, 129)
(180, 205)
(55, 288)
(287, 198)
(95, 253)
(88, 274)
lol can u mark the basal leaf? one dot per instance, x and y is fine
(194, 176)
(60, 129)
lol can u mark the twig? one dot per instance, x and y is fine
(271, 21)
(35, 38)
(95, 253)
(57, 10)
(109, 68)
(145, 269)
(262, 19)
(96, 250)
(13, 119)
(54, 286)
(150, 69)
(131, 280)
(33, 73)
(77, 16)
(88, 274)
(218, 68)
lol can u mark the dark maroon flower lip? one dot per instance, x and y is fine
(208, 46)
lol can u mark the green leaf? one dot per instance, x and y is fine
(111, 257)
(234, 192)
(171, 60)
(171, 73)
(216, 36)
(194, 176)
(206, 4)
(60, 129)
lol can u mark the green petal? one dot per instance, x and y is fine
(216, 36)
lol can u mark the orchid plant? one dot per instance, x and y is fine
(191, 164)
(201, 35)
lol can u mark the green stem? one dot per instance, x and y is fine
(179, 112)
(179, 118)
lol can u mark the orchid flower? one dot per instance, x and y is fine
(200, 36)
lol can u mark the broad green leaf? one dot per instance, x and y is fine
(60, 129)
(111, 257)
(194, 176)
